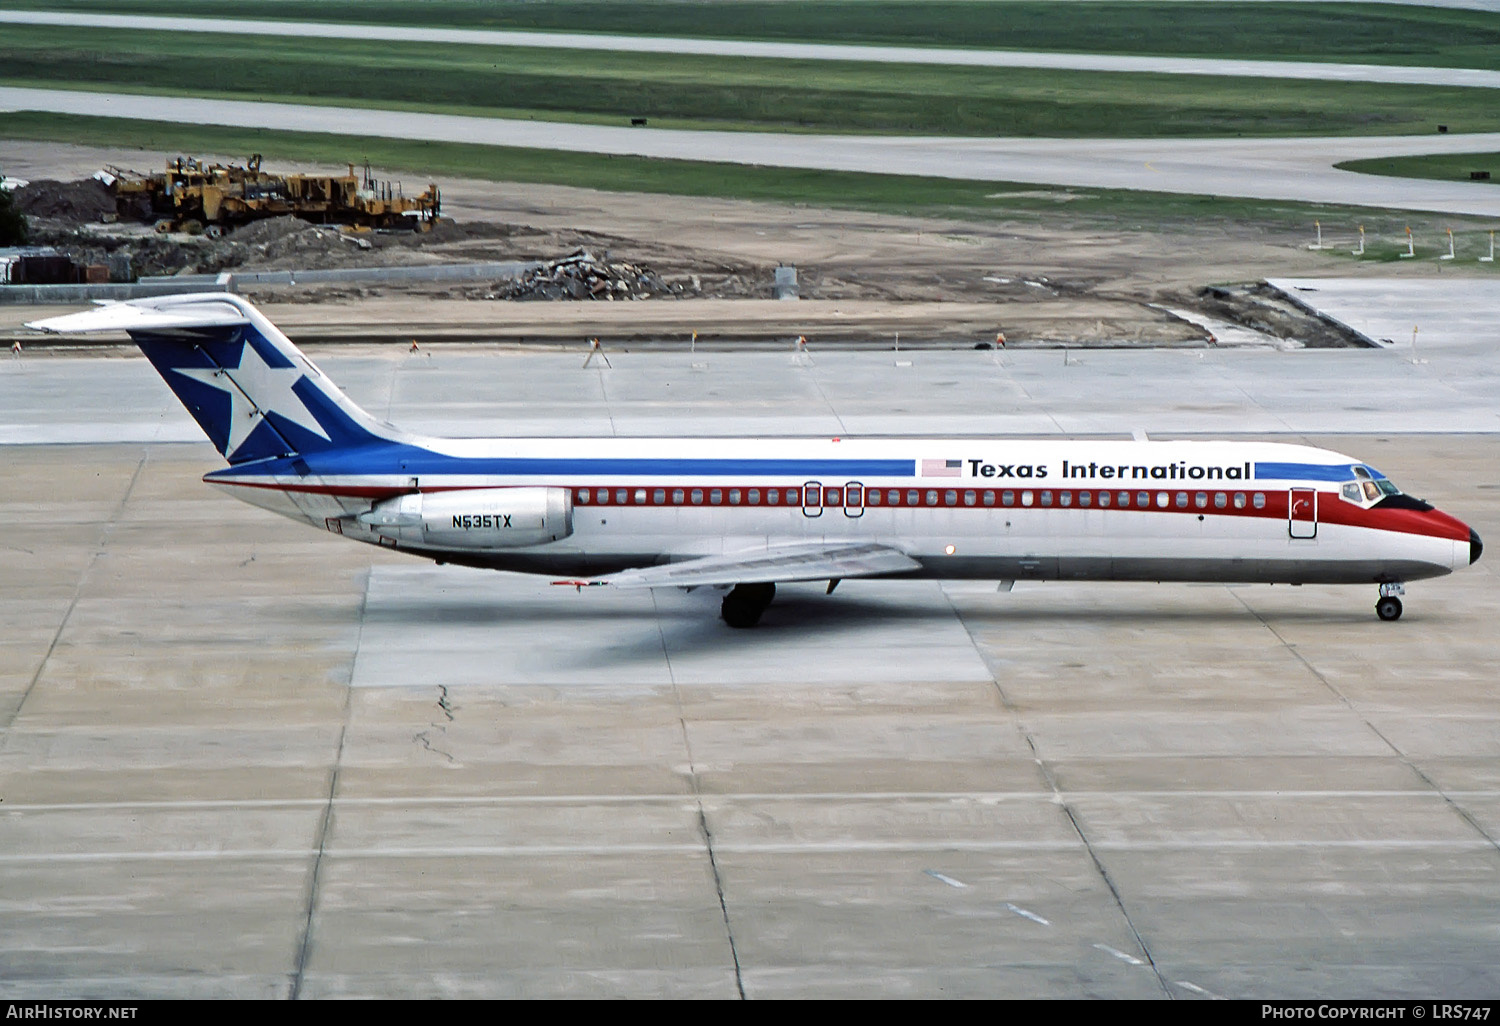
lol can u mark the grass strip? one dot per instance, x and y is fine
(1444, 167)
(730, 93)
(1339, 32)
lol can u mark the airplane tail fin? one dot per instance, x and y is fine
(252, 391)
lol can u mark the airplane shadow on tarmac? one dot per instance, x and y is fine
(508, 630)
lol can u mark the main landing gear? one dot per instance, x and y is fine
(1389, 606)
(745, 603)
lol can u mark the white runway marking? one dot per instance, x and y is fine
(1024, 914)
(942, 878)
(846, 847)
(723, 798)
(1122, 956)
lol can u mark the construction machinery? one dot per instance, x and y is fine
(192, 195)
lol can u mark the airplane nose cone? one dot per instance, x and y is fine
(1475, 546)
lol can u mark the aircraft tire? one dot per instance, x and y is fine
(1388, 608)
(745, 603)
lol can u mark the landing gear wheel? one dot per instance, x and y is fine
(745, 603)
(1388, 608)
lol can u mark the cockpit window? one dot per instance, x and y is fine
(1369, 485)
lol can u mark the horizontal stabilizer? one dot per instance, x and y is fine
(145, 315)
(799, 561)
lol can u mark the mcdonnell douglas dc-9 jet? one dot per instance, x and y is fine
(745, 514)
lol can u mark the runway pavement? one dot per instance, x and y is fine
(1284, 169)
(243, 758)
(1324, 71)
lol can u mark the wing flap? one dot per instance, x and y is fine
(795, 562)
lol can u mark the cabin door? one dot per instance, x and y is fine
(1302, 513)
(812, 499)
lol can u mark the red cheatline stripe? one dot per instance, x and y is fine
(1331, 509)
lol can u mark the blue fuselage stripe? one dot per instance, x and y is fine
(415, 462)
(1304, 472)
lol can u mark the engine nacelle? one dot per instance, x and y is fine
(479, 518)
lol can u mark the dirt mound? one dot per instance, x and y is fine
(272, 229)
(84, 200)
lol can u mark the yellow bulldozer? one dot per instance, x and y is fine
(195, 196)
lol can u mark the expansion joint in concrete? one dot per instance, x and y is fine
(325, 820)
(62, 624)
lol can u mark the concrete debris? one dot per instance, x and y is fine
(584, 276)
(1265, 309)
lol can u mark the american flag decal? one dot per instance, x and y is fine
(942, 468)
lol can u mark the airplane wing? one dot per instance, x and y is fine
(814, 561)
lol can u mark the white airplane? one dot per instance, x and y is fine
(748, 513)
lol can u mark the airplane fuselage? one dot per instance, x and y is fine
(747, 513)
(961, 508)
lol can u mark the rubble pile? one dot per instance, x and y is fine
(584, 276)
(291, 241)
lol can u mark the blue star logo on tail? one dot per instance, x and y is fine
(256, 389)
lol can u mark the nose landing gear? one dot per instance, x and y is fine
(1389, 606)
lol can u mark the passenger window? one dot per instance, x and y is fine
(1026, 498)
(697, 496)
(1260, 500)
(893, 498)
(854, 495)
(1239, 500)
(1008, 498)
(583, 495)
(677, 496)
(753, 498)
(715, 496)
(1162, 499)
(1046, 498)
(950, 498)
(793, 496)
(601, 495)
(1084, 498)
(1143, 499)
(1220, 500)
(1065, 498)
(833, 497)
(1181, 500)
(1104, 500)
(1201, 500)
(989, 497)
(773, 496)
(873, 497)
(912, 498)
(734, 496)
(640, 496)
(1123, 499)
(970, 498)
(932, 497)
(621, 496)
